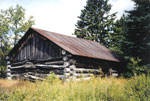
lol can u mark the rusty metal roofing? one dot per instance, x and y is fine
(78, 46)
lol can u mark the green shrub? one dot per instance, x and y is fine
(138, 88)
(2, 71)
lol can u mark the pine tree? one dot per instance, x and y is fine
(117, 38)
(95, 23)
(138, 34)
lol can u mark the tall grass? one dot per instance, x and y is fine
(96, 89)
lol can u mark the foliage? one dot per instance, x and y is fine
(52, 78)
(117, 38)
(138, 88)
(105, 89)
(15, 22)
(95, 23)
(138, 25)
(133, 65)
(2, 71)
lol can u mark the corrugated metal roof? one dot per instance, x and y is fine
(78, 46)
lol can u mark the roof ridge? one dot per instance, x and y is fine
(70, 36)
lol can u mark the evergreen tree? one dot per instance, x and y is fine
(117, 38)
(138, 33)
(95, 23)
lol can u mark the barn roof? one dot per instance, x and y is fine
(78, 46)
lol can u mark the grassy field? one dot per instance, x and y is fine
(96, 89)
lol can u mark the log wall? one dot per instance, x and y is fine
(35, 47)
(37, 70)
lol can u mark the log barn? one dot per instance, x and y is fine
(40, 52)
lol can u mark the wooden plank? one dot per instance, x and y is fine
(31, 47)
(49, 54)
(34, 47)
(23, 53)
(41, 49)
(44, 48)
(38, 47)
(52, 50)
(28, 50)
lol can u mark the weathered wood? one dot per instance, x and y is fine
(22, 66)
(48, 60)
(36, 47)
(19, 63)
(54, 63)
(84, 70)
(49, 66)
(34, 77)
(8, 70)
(81, 65)
(63, 52)
(39, 65)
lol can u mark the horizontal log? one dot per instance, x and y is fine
(39, 65)
(37, 61)
(54, 63)
(49, 59)
(83, 70)
(49, 66)
(19, 63)
(16, 67)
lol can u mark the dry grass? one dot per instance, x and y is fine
(14, 84)
(104, 89)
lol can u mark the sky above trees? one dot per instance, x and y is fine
(60, 15)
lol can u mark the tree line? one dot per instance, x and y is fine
(128, 36)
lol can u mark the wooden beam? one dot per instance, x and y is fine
(49, 66)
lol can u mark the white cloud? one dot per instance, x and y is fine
(120, 6)
(59, 15)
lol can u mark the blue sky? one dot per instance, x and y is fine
(60, 15)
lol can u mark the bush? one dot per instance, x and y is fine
(3, 71)
(138, 88)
